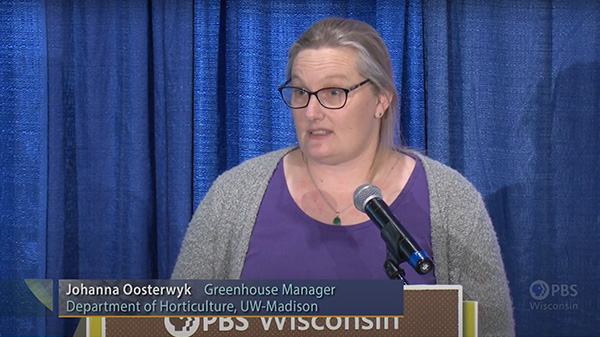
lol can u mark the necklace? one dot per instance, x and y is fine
(336, 220)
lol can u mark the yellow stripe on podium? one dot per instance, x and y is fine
(94, 327)
(470, 319)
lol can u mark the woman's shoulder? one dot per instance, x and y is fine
(252, 171)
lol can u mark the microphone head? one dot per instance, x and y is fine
(363, 194)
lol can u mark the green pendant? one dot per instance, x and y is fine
(336, 220)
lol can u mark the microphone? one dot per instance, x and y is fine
(367, 199)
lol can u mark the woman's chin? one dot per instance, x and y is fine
(317, 154)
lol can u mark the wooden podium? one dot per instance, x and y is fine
(429, 310)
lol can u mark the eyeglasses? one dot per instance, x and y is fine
(330, 98)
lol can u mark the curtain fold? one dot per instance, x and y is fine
(208, 98)
(23, 157)
(171, 134)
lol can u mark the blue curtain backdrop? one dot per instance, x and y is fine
(513, 102)
(116, 116)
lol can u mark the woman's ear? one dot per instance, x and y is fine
(384, 98)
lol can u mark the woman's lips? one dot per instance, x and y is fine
(318, 132)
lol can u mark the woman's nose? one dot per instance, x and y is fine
(314, 109)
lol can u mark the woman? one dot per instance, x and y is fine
(288, 214)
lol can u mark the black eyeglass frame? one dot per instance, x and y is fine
(315, 93)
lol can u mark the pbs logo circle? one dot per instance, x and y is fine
(539, 290)
(182, 326)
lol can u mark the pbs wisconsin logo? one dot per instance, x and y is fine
(539, 290)
(182, 326)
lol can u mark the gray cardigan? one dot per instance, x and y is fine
(464, 243)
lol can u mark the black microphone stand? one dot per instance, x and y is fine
(393, 270)
(391, 265)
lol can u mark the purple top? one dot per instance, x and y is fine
(288, 244)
